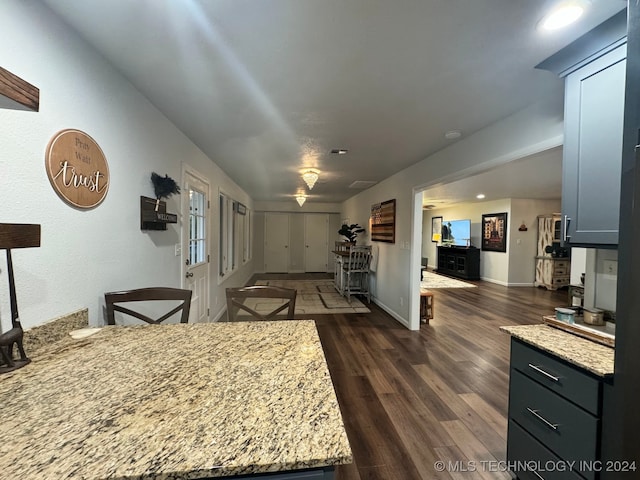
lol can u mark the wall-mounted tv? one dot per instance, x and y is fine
(456, 232)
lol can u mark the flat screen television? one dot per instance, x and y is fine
(456, 232)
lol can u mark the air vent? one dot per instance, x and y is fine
(362, 184)
(428, 207)
(339, 151)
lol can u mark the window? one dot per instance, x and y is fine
(197, 232)
(235, 237)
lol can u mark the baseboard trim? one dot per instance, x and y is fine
(397, 317)
(497, 282)
(506, 284)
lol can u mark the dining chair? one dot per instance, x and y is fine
(356, 272)
(114, 299)
(272, 299)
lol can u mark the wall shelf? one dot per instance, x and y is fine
(152, 219)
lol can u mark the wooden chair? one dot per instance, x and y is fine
(423, 267)
(341, 252)
(236, 301)
(356, 272)
(113, 299)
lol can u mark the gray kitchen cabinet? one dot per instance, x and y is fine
(592, 157)
(555, 417)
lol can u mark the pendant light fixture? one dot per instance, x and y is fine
(310, 177)
(301, 199)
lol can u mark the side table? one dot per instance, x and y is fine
(426, 305)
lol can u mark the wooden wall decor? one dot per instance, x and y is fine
(153, 214)
(383, 221)
(77, 169)
(17, 94)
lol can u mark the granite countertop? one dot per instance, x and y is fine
(173, 401)
(591, 356)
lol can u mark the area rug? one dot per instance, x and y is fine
(433, 280)
(315, 297)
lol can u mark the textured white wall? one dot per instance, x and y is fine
(86, 253)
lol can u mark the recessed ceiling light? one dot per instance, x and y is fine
(453, 134)
(564, 14)
(480, 196)
(339, 151)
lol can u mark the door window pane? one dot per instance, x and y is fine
(197, 231)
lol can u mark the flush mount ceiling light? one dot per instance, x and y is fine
(310, 177)
(480, 196)
(301, 199)
(562, 15)
(453, 134)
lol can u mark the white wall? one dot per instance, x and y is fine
(86, 253)
(600, 286)
(494, 266)
(535, 129)
(522, 246)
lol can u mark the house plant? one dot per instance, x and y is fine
(350, 232)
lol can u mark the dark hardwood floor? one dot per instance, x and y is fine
(410, 399)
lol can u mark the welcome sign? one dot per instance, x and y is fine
(77, 169)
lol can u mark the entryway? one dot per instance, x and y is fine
(195, 243)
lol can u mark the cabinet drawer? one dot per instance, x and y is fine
(560, 271)
(564, 264)
(566, 429)
(525, 453)
(571, 383)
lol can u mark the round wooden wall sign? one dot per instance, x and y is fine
(77, 169)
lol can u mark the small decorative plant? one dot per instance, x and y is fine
(163, 187)
(350, 232)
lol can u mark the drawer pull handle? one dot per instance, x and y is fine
(535, 413)
(546, 374)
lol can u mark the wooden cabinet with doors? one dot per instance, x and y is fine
(594, 68)
(552, 271)
(462, 262)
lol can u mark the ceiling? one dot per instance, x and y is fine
(268, 87)
(536, 176)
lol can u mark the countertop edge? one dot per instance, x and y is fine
(580, 352)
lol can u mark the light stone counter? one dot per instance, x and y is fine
(591, 356)
(173, 401)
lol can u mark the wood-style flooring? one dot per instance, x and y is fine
(411, 399)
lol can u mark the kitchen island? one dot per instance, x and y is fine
(175, 401)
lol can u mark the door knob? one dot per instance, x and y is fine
(189, 274)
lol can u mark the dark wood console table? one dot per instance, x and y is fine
(461, 262)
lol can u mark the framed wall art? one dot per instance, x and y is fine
(494, 232)
(383, 221)
(436, 229)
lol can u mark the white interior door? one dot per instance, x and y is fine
(316, 238)
(276, 242)
(195, 244)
